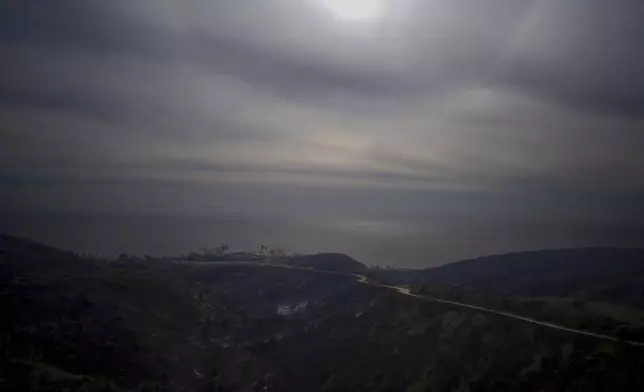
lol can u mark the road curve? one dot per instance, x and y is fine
(406, 291)
(362, 279)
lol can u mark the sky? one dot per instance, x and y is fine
(446, 128)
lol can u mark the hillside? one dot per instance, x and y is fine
(336, 262)
(596, 289)
(606, 274)
(79, 324)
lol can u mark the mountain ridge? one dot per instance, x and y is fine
(335, 262)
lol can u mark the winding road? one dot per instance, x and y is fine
(406, 291)
(362, 279)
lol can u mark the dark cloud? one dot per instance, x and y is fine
(100, 31)
(583, 53)
(463, 113)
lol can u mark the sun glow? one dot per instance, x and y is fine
(355, 9)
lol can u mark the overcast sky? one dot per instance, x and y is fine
(464, 115)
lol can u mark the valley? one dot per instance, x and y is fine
(85, 325)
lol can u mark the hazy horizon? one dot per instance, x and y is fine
(403, 244)
(405, 132)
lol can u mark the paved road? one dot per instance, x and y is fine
(406, 291)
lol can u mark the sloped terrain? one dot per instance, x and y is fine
(336, 262)
(601, 274)
(595, 289)
(85, 325)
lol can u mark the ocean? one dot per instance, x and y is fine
(405, 244)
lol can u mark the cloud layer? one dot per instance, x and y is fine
(484, 99)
